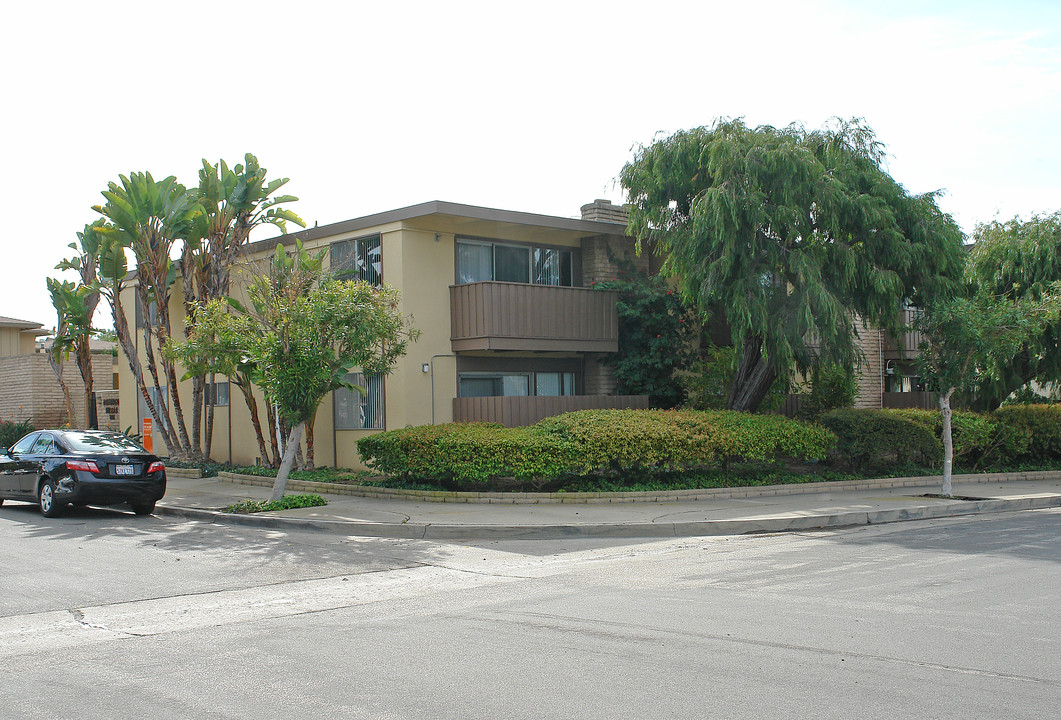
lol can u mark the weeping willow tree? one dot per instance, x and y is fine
(794, 236)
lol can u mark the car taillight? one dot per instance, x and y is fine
(156, 467)
(86, 465)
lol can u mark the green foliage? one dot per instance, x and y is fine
(461, 452)
(976, 437)
(1032, 432)
(287, 502)
(831, 387)
(1020, 260)
(868, 438)
(12, 432)
(614, 442)
(708, 381)
(656, 331)
(789, 233)
(304, 332)
(970, 339)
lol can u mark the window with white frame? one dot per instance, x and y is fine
(357, 410)
(360, 258)
(484, 260)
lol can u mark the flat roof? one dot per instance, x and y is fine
(441, 207)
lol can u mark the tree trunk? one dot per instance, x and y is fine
(84, 365)
(270, 416)
(293, 443)
(309, 443)
(208, 435)
(753, 379)
(948, 441)
(68, 405)
(125, 341)
(197, 414)
(252, 407)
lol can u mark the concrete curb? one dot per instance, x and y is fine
(603, 498)
(439, 531)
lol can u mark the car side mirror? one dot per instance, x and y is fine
(4, 451)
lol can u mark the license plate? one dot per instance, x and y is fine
(123, 470)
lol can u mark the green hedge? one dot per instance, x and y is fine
(975, 436)
(1032, 432)
(466, 452)
(868, 438)
(588, 442)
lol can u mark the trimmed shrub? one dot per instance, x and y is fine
(1031, 432)
(869, 437)
(467, 452)
(589, 442)
(976, 437)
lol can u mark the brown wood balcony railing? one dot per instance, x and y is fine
(515, 316)
(512, 411)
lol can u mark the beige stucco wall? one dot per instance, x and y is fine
(419, 261)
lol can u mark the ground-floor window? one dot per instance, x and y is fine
(216, 394)
(355, 410)
(902, 377)
(516, 384)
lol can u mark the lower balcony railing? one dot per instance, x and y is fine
(512, 411)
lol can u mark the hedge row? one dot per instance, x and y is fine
(590, 442)
(1010, 436)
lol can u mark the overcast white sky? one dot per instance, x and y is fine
(521, 106)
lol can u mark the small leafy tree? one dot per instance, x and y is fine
(656, 333)
(304, 331)
(1020, 259)
(971, 338)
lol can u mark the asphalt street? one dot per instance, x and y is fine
(108, 615)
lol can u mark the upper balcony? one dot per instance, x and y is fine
(517, 316)
(905, 348)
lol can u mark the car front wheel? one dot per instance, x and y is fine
(50, 507)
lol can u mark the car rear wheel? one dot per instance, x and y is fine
(144, 508)
(50, 507)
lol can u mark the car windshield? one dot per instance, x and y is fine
(95, 442)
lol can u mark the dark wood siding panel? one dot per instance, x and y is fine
(510, 316)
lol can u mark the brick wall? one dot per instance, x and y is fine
(868, 379)
(29, 390)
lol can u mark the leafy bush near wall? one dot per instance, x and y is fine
(12, 432)
(872, 437)
(976, 437)
(1032, 432)
(656, 333)
(460, 452)
(611, 442)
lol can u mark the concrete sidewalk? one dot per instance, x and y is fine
(790, 507)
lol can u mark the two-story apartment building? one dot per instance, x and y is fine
(510, 328)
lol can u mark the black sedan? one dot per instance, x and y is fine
(85, 467)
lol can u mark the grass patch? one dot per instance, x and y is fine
(287, 502)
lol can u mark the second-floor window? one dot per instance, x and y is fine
(482, 260)
(358, 259)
